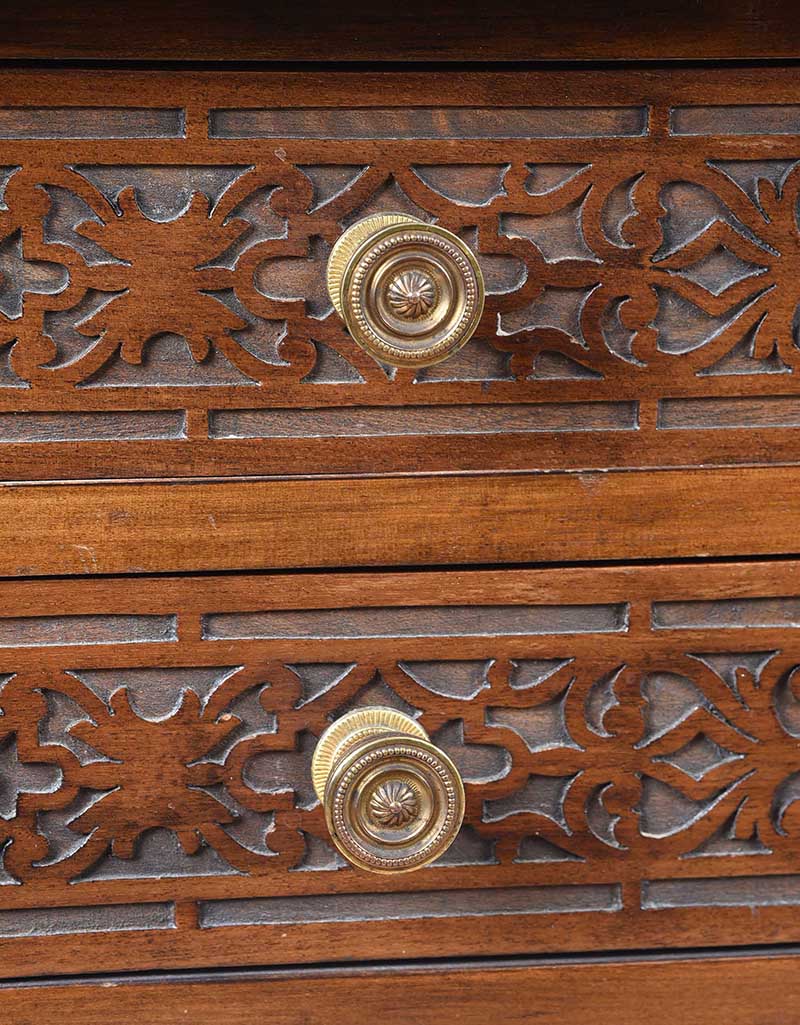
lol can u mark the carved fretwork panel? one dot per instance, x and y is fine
(628, 742)
(162, 272)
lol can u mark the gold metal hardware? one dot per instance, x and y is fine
(393, 801)
(410, 293)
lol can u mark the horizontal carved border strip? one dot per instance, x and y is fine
(162, 301)
(633, 787)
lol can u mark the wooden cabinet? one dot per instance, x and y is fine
(567, 552)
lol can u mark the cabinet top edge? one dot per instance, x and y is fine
(583, 30)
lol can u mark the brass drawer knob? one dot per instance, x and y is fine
(410, 293)
(393, 801)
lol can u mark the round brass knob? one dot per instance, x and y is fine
(410, 293)
(393, 801)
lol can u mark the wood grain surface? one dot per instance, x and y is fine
(628, 738)
(628, 734)
(163, 306)
(510, 31)
(153, 527)
(694, 991)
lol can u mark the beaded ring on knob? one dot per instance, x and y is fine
(410, 293)
(393, 801)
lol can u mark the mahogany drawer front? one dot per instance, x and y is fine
(693, 990)
(164, 239)
(424, 520)
(627, 738)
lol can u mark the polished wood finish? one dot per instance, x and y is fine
(163, 309)
(511, 31)
(177, 398)
(694, 991)
(155, 527)
(627, 737)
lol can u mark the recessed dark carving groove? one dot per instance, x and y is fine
(743, 891)
(718, 414)
(91, 123)
(430, 621)
(758, 119)
(44, 427)
(428, 123)
(422, 420)
(65, 921)
(727, 614)
(35, 631)
(534, 900)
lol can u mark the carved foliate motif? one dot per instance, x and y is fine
(609, 268)
(697, 756)
(628, 740)
(394, 804)
(639, 263)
